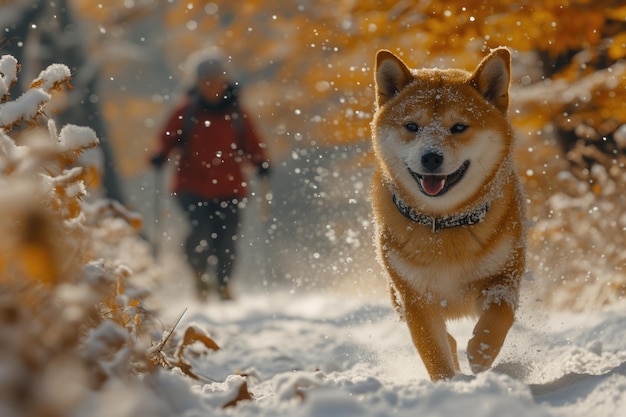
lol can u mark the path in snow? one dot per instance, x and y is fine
(321, 354)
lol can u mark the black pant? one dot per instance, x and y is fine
(212, 240)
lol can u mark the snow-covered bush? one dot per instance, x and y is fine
(70, 321)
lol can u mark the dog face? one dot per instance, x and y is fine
(441, 134)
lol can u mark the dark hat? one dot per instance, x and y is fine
(210, 67)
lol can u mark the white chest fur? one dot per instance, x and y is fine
(441, 276)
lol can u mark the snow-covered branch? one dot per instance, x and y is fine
(30, 104)
(8, 75)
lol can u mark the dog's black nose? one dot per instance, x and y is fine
(432, 160)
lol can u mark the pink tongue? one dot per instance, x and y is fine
(433, 184)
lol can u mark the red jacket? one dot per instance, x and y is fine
(215, 148)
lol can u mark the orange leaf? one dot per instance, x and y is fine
(242, 395)
(185, 368)
(135, 222)
(192, 335)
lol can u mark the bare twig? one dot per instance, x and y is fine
(156, 356)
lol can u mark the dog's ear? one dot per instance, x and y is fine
(493, 76)
(392, 75)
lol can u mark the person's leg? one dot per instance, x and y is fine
(225, 230)
(197, 243)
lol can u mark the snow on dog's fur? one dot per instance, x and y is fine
(447, 204)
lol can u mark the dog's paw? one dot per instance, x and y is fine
(489, 335)
(480, 355)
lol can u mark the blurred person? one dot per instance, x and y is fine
(214, 139)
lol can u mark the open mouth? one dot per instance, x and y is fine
(436, 185)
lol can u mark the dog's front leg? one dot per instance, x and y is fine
(428, 330)
(497, 314)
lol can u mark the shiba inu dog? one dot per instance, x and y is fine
(447, 204)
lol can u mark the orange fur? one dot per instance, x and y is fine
(444, 147)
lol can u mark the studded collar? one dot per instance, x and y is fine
(438, 223)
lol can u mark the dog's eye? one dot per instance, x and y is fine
(458, 128)
(412, 127)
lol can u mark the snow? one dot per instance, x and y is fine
(77, 137)
(328, 353)
(52, 76)
(24, 107)
(8, 73)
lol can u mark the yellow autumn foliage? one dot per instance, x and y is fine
(324, 53)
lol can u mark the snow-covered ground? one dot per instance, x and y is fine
(314, 354)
